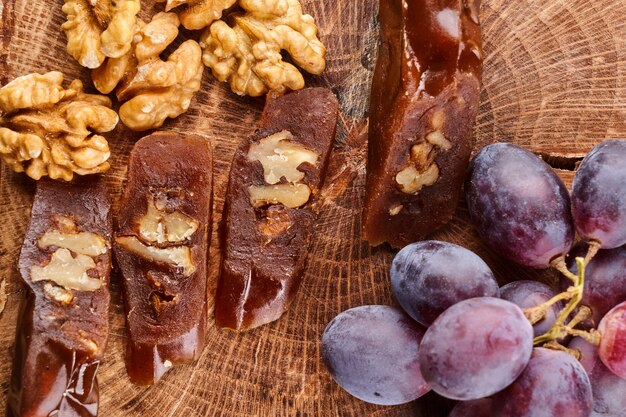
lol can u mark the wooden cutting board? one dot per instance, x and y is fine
(554, 82)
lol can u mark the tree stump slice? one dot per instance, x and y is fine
(554, 82)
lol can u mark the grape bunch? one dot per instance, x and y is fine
(521, 350)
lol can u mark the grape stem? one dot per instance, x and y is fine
(538, 313)
(559, 265)
(594, 247)
(557, 346)
(574, 295)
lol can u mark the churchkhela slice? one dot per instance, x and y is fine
(63, 326)
(423, 104)
(269, 212)
(161, 247)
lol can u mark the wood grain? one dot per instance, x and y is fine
(555, 82)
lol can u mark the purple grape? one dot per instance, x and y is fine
(476, 348)
(519, 205)
(612, 349)
(373, 353)
(474, 408)
(527, 294)
(428, 277)
(605, 279)
(554, 384)
(608, 389)
(599, 197)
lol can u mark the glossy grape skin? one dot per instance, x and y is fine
(430, 276)
(609, 390)
(605, 279)
(473, 408)
(527, 294)
(476, 348)
(612, 349)
(599, 197)
(373, 353)
(554, 384)
(520, 207)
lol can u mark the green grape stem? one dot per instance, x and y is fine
(573, 295)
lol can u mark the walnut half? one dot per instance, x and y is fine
(246, 51)
(198, 14)
(48, 130)
(97, 29)
(152, 89)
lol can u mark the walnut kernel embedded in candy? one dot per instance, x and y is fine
(67, 271)
(422, 171)
(177, 256)
(160, 227)
(281, 158)
(290, 195)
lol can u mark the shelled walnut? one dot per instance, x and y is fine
(246, 51)
(97, 29)
(48, 130)
(152, 89)
(199, 13)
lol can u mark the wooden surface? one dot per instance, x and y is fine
(555, 82)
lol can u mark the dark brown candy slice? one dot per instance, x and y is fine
(269, 211)
(424, 101)
(63, 326)
(161, 247)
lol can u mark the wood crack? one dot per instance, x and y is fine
(566, 163)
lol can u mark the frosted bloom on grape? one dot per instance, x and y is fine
(554, 384)
(476, 348)
(608, 389)
(428, 277)
(373, 353)
(520, 207)
(599, 195)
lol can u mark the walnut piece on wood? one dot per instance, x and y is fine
(198, 14)
(246, 51)
(97, 29)
(151, 88)
(48, 130)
